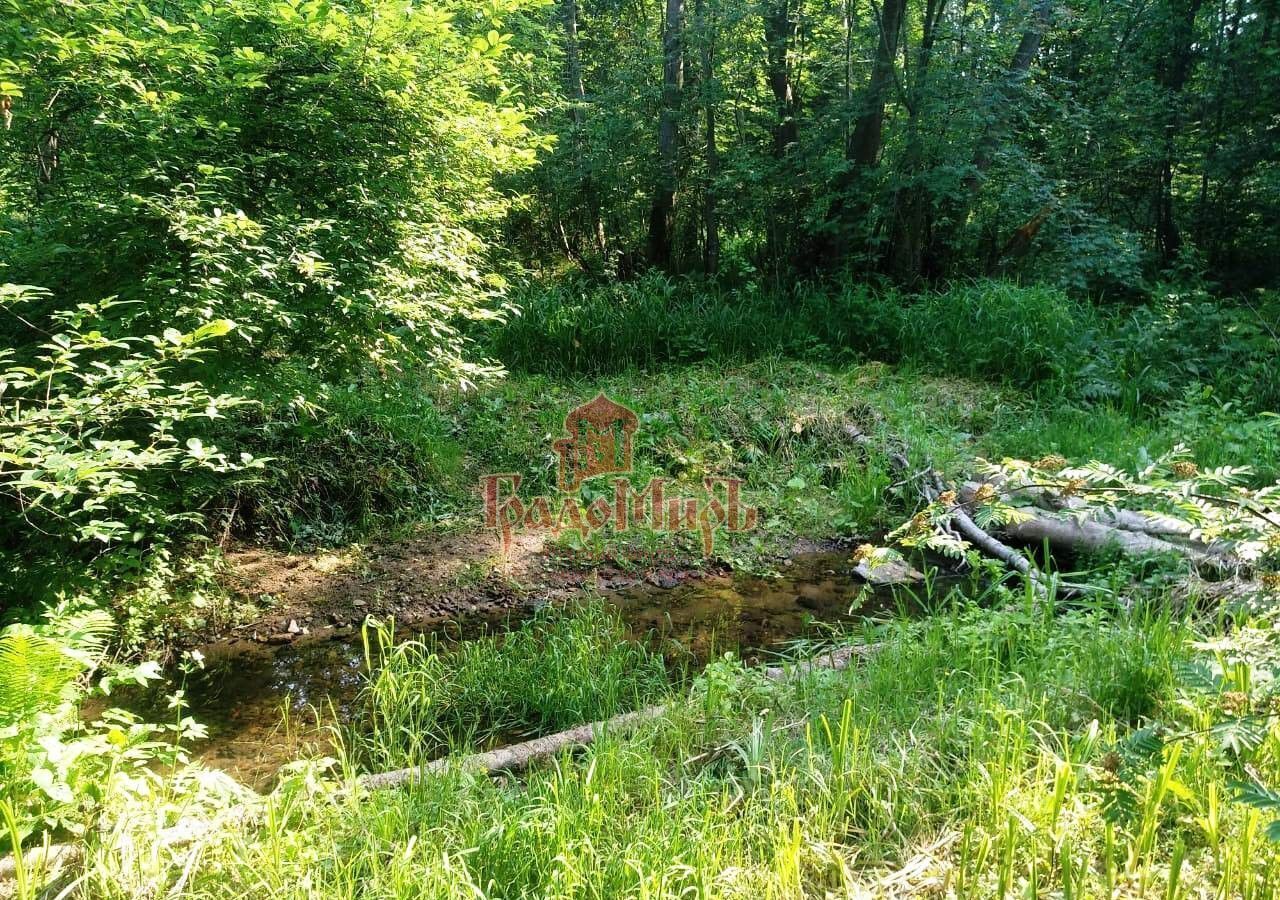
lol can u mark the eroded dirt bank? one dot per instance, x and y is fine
(426, 581)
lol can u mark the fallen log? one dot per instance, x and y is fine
(39, 859)
(932, 488)
(55, 857)
(835, 659)
(517, 757)
(1071, 524)
(968, 529)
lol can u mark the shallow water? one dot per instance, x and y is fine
(261, 703)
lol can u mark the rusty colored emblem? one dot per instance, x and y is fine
(599, 439)
(598, 442)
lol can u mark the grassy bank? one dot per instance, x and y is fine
(371, 465)
(978, 753)
(414, 454)
(728, 382)
(1121, 748)
(723, 376)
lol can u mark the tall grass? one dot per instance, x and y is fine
(976, 755)
(586, 328)
(994, 329)
(565, 666)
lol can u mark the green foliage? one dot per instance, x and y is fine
(987, 329)
(56, 770)
(347, 458)
(1125, 144)
(1024, 334)
(314, 171)
(996, 729)
(317, 173)
(564, 667)
(93, 432)
(1154, 353)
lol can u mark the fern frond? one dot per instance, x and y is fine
(35, 673)
(39, 665)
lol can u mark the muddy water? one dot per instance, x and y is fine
(264, 705)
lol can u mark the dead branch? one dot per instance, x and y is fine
(1072, 524)
(932, 488)
(517, 757)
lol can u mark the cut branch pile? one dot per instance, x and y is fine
(1071, 524)
(932, 488)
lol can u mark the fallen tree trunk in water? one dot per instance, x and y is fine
(932, 487)
(1073, 525)
(980, 538)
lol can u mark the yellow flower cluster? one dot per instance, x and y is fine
(1051, 463)
(1073, 487)
(1235, 703)
(863, 552)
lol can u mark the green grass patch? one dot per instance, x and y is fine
(1007, 752)
(563, 667)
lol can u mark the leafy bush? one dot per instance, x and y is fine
(313, 170)
(343, 456)
(1222, 430)
(55, 769)
(98, 444)
(1155, 352)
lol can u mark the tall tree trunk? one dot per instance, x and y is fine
(911, 205)
(846, 87)
(780, 27)
(778, 32)
(993, 133)
(573, 62)
(863, 146)
(662, 212)
(577, 114)
(1173, 69)
(710, 212)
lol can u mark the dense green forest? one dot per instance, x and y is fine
(977, 300)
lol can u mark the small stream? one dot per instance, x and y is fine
(260, 702)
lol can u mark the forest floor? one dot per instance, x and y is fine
(774, 424)
(991, 746)
(425, 581)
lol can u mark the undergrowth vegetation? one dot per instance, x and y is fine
(981, 752)
(296, 274)
(563, 667)
(315, 461)
(1031, 336)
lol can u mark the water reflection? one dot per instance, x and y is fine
(262, 704)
